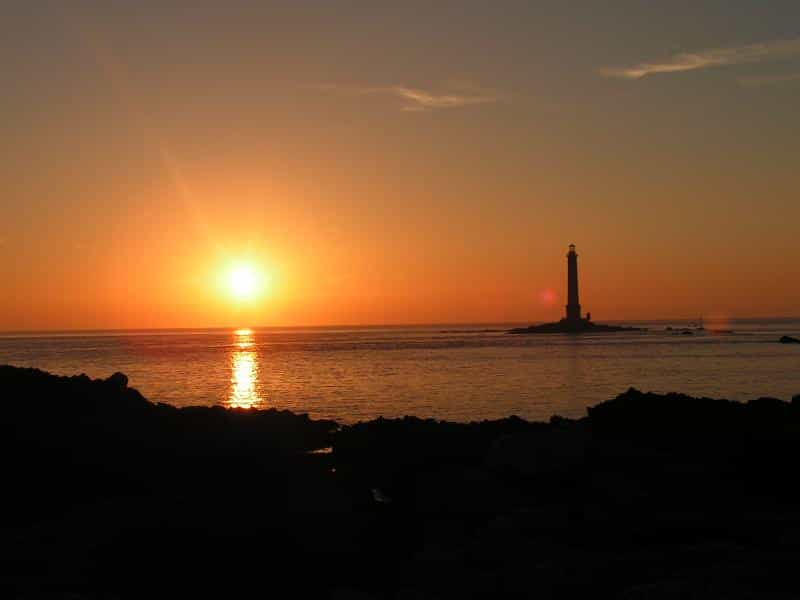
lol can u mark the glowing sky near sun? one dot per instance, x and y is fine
(396, 162)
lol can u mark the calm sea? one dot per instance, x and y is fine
(463, 373)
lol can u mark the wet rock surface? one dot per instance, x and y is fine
(108, 495)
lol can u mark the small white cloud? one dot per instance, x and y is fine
(418, 99)
(710, 57)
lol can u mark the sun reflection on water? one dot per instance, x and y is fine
(244, 372)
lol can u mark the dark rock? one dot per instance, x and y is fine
(650, 495)
(657, 419)
(537, 452)
(788, 340)
(616, 488)
(119, 380)
(350, 594)
(567, 326)
(460, 490)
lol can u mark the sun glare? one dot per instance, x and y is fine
(243, 282)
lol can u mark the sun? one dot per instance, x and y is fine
(243, 282)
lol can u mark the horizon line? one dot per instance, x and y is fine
(377, 325)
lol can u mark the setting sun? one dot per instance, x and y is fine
(245, 281)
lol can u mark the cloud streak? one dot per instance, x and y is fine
(418, 99)
(708, 58)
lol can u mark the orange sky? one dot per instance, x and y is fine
(437, 177)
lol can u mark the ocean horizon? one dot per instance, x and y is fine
(677, 321)
(455, 371)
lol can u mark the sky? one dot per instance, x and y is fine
(396, 162)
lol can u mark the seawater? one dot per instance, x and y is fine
(461, 373)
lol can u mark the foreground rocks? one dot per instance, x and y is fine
(649, 496)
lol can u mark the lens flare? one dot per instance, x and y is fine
(547, 297)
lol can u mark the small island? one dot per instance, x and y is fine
(573, 322)
(567, 326)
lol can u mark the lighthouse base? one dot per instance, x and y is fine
(573, 326)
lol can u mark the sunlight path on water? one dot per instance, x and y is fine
(244, 372)
(460, 373)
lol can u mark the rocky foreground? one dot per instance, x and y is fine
(108, 495)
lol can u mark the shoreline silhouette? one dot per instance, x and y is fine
(648, 494)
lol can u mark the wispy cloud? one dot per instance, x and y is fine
(710, 57)
(769, 79)
(417, 99)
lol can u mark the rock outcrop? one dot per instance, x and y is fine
(649, 495)
(567, 326)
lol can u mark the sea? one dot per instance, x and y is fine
(453, 372)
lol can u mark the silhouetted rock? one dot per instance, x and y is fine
(118, 379)
(532, 453)
(649, 495)
(459, 490)
(788, 340)
(567, 326)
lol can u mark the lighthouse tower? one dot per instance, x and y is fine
(573, 306)
(573, 322)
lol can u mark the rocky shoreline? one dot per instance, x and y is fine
(109, 495)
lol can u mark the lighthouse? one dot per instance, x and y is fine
(573, 305)
(573, 323)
